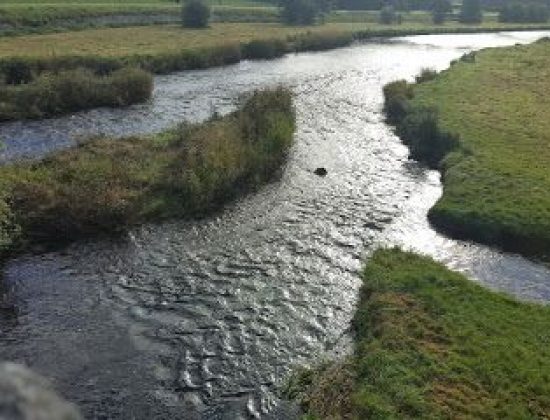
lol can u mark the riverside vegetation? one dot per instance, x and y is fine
(106, 184)
(431, 344)
(53, 93)
(483, 123)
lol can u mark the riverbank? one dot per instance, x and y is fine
(430, 343)
(482, 122)
(105, 185)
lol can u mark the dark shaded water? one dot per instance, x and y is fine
(205, 319)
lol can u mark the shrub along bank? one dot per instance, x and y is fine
(482, 122)
(54, 93)
(431, 344)
(106, 185)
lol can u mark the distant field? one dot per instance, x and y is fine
(123, 42)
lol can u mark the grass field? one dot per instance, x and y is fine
(431, 344)
(497, 183)
(124, 42)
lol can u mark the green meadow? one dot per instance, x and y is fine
(431, 344)
(496, 179)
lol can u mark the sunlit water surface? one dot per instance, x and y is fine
(205, 319)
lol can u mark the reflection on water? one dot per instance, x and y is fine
(204, 319)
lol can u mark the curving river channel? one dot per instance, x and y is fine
(204, 319)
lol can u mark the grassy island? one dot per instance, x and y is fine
(431, 344)
(105, 185)
(484, 123)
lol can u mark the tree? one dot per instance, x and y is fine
(471, 12)
(388, 15)
(195, 14)
(299, 12)
(524, 13)
(440, 10)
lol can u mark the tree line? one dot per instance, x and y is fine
(196, 13)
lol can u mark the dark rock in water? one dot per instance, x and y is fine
(320, 171)
(26, 396)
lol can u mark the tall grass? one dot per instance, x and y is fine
(106, 185)
(73, 90)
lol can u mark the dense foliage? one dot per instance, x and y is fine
(524, 13)
(299, 12)
(195, 14)
(418, 126)
(471, 11)
(305, 12)
(440, 11)
(389, 16)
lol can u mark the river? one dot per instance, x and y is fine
(205, 319)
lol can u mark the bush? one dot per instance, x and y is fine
(196, 14)
(299, 12)
(388, 15)
(321, 41)
(397, 95)
(417, 126)
(440, 10)
(421, 132)
(264, 49)
(73, 90)
(471, 12)
(426, 75)
(17, 72)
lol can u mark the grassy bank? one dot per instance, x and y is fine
(431, 344)
(483, 122)
(73, 90)
(106, 185)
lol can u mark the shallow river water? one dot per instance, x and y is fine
(205, 319)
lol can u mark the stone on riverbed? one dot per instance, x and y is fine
(26, 396)
(320, 171)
